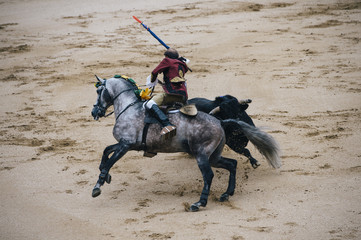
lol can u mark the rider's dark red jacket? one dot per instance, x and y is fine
(173, 75)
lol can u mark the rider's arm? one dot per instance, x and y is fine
(163, 65)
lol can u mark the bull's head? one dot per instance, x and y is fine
(229, 107)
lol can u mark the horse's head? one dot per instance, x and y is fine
(104, 100)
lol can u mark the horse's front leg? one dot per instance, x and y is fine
(207, 173)
(107, 151)
(118, 150)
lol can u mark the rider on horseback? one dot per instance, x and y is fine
(175, 89)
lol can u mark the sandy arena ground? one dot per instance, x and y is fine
(298, 60)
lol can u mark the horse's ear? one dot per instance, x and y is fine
(99, 79)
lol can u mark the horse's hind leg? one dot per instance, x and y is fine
(118, 151)
(255, 164)
(207, 173)
(231, 166)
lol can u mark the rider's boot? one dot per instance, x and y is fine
(168, 131)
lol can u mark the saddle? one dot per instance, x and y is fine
(189, 110)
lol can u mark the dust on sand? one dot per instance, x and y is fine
(298, 60)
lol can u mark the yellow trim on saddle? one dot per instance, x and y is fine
(145, 94)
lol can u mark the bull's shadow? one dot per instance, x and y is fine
(228, 107)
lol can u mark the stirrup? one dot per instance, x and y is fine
(168, 132)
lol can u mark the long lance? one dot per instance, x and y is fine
(152, 33)
(159, 40)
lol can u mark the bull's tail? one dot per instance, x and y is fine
(264, 142)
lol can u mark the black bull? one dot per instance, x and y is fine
(228, 107)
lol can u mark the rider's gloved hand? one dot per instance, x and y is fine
(183, 59)
(150, 82)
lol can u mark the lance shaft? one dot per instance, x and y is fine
(151, 32)
(154, 35)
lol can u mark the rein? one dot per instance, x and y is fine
(131, 104)
(116, 98)
(125, 109)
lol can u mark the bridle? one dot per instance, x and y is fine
(110, 100)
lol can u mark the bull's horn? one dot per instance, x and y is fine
(215, 110)
(243, 101)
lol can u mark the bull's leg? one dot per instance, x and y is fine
(255, 164)
(231, 166)
(118, 150)
(238, 145)
(207, 173)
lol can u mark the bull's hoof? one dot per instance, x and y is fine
(224, 197)
(96, 192)
(255, 165)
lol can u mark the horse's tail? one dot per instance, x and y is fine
(264, 142)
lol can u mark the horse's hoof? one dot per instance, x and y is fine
(108, 178)
(224, 197)
(96, 192)
(194, 208)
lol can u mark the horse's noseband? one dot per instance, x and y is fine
(98, 112)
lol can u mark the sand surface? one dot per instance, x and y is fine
(298, 60)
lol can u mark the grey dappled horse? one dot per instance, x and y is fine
(201, 136)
